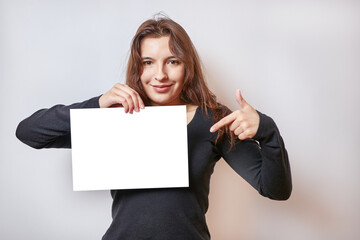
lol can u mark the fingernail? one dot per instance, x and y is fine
(212, 129)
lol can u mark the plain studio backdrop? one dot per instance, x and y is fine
(297, 61)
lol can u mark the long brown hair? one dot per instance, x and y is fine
(195, 90)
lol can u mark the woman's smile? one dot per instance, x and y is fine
(162, 88)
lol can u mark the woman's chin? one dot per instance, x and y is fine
(164, 102)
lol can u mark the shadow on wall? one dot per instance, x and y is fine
(237, 211)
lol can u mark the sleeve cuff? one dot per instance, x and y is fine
(93, 102)
(266, 127)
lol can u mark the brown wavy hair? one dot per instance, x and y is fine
(195, 90)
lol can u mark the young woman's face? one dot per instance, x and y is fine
(163, 74)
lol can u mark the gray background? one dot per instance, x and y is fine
(297, 61)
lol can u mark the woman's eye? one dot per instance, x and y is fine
(147, 62)
(173, 62)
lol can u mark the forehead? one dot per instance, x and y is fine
(155, 47)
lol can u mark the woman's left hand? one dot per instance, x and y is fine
(243, 122)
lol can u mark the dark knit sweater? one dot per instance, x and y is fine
(176, 213)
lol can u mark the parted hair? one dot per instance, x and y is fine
(195, 90)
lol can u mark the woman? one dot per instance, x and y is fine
(164, 69)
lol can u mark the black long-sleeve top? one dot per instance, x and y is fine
(176, 213)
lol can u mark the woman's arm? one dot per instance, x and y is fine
(263, 163)
(50, 128)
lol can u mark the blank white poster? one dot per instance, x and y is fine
(115, 150)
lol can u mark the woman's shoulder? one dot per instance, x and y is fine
(215, 113)
(205, 117)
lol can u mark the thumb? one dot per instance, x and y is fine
(240, 99)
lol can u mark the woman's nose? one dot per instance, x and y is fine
(160, 74)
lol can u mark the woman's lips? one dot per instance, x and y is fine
(161, 88)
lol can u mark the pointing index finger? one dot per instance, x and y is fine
(223, 122)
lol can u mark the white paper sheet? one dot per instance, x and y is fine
(115, 150)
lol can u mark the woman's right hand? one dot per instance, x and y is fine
(122, 95)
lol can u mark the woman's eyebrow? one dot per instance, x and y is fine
(149, 58)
